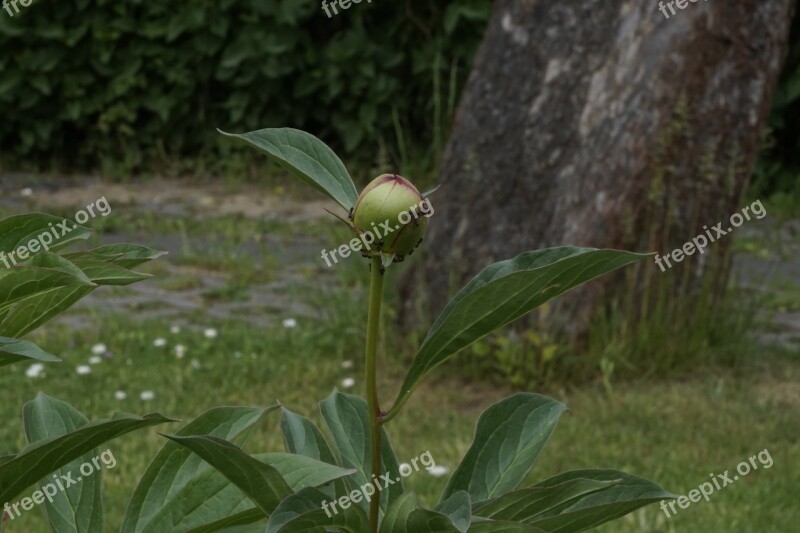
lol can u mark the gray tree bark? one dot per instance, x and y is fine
(602, 123)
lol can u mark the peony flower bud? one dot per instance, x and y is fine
(389, 209)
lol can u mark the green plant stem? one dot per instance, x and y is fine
(373, 327)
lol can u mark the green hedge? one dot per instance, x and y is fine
(89, 81)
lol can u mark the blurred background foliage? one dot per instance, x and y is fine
(136, 84)
(127, 85)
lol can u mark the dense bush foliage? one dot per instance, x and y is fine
(90, 81)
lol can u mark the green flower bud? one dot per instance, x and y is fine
(389, 209)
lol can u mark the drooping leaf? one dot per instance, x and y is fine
(524, 505)
(15, 350)
(305, 511)
(502, 293)
(307, 158)
(509, 437)
(347, 419)
(43, 457)
(78, 508)
(169, 483)
(625, 495)
(259, 482)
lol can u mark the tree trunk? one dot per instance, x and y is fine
(602, 123)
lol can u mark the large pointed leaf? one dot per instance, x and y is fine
(306, 157)
(525, 505)
(347, 419)
(176, 470)
(304, 512)
(15, 350)
(20, 230)
(43, 457)
(626, 494)
(301, 436)
(243, 518)
(260, 482)
(188, 509)
(509, 437)
(78, 508)
(502, 293)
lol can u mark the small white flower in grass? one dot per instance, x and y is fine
(289, 323)
(27, 191)
(147, 395)
(160, 342)
(35, 370)
(120, 395)
(175, 329)
(195, 364)
(95, 360)
(180, 351)
(237, 354)
(210, 333)
(347, 364)
(99, 349)
(82, 370)
(437, 470)
(348, 382)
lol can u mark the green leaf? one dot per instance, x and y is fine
(78, 508)
(406, 516)
(509, 437)
(626, 494)
(19, 283)
(502, 293)
(166, 494)
(187, 508)
(301, 436)
(242, 518)
(15, 350)
(525, 505)
(260, 482)
(20, 230)
(347, 419)
(43, 457)
(108, 267)
(307, 158)
(458, 508)
(304, 512)
(122, 254)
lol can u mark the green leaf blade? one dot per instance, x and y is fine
(509, 437)
(78, 508)
(16, 350)
(502, 293)
(307, 158)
